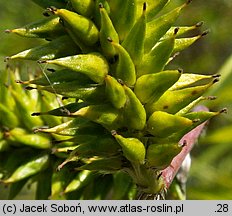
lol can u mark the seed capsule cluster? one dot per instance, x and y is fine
(125, 112)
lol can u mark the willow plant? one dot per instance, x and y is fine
(118, 114)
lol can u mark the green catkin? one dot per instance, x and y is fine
(107, 30)
(93, 65)
(115, 92)
(48, 28)
(158, 82)
(108, 110)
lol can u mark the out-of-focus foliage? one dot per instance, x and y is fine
(211, 172)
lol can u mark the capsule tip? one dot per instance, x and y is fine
(180, 70)
(40, 129)
(224, 110)
(64, 98)
(101, 5)
(120, 81)
(19, 81)
(113, 132)
(22, 82)
(216, 80)
(144, 6)
(41, 61)
(29, 88)
(53, 150)
(176, 30)
(216, 75)
(211, 98)
(196, 120)
(7, 58)
(199, 24)
(188, 2)
(36, 114)
(205, 32)
(8, 31)
(51, 9)
(36, 130)
(110, 39)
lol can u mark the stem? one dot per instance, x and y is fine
(189, 140)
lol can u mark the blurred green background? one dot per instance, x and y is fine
(211, 172)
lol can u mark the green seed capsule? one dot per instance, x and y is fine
(162, 124)
(160, 156)
(64, 110)
(188, 79)
(5, 97)
(201, 115)
(134, 41)
(33, 140)
(24, 109)
(124, 68)
(60, 180)
(94, 65)
(60, 76)
(80, 180)
(158, 27)
(107, 30)
(97, 14)
(191, 106)
(181, 30)
(44, 107)
(79, 27)
(103, 114)
(60, 47)
(173, 101)
(15, 87)
(184, 43)
(82, 129)
(134, 114)
(197, 118)
(73, 157)
(84, 8)
(154, 7)
(115, 92)
(105, 147)
(133, 149)
(105, 165)
(8, 118)
(158, 83)
(157, 58)
(69, 128)
(35, 165)
(90, 93)
(80, 138)
(47, 28)
(127, 8)
(16, 131)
